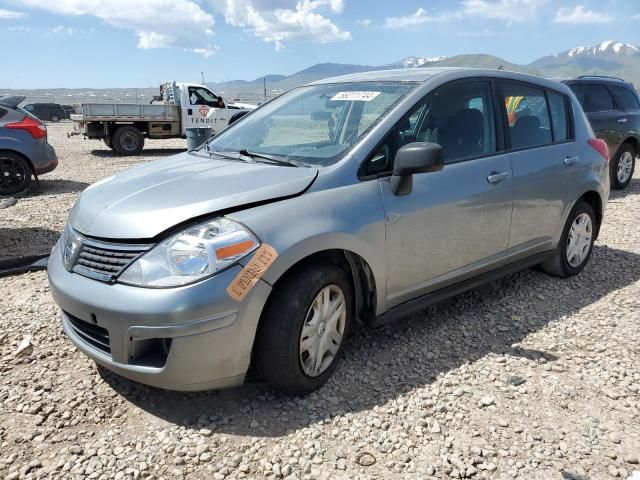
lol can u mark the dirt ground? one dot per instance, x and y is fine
(531, 378)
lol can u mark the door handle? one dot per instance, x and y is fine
(571, 160)
(495, 177)
(622, 120)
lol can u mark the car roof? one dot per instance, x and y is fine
(423, 74)
(599, 79)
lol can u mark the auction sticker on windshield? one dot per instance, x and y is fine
(356, 96)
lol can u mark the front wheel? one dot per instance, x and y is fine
(304, 329)
(622, 167)
(576, 244)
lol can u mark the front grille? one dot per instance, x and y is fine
(94, 335)
(105, 261)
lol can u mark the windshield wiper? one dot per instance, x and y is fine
(276, 161)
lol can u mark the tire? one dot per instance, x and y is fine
(127, 140)
(567, 262)
(622, 167)
(55, 118)
(279, 355)
(15, 173)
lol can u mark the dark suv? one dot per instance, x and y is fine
(52, 112)
(613, 109)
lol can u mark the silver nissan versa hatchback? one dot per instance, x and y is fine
(364, 197)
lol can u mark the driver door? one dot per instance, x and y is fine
(454, 223)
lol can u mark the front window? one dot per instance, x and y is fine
(315, 124)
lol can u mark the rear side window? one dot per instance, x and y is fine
(558, 109)
(598, 98)
(528, 116)
(627, 99)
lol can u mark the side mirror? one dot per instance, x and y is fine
(417, 157)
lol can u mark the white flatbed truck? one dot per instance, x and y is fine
(124, 126)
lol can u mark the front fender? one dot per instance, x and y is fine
(347, 218)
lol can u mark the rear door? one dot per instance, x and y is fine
(544, 159)
(605, 116)
(454, 223)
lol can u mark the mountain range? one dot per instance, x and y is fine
(609, 58)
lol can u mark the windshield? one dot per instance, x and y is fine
(315, 124)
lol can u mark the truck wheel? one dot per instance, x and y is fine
(15, 173)
(127, 140)
(304, 328)
(622, 167)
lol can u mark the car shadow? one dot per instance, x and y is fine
(55, 186)
(26, 242)
(381, 364)
(147, 152)
(632, 189)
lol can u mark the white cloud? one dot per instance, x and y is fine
(279, 21)
(365, 22)
(10, 14)
(418, 18)
(157, 23)
(62, 30)
(580, 15)
(509, 10)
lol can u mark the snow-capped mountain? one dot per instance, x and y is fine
(606, 48)
(413, 62)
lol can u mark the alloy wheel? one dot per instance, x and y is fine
(579, 240)
(12, 175)
(323, 330)
(625, 165)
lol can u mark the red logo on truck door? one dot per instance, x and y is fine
(203, 110)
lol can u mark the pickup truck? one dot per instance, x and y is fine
(124, 126)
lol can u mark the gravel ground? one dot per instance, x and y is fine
(532, 378)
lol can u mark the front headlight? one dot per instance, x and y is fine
(192, 254)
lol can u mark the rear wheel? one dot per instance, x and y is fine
(127, 140)
(576, 244)
(304, 329)
(622, 167)
(55, 118)
(15, 173)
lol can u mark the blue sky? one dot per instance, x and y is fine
(137, 43)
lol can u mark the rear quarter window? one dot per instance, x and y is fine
(559, 117)
(627, 99)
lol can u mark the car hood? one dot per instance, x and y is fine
(145, 201)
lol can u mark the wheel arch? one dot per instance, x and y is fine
(354, 265)
(27, 159)
(630, 140)
(594, 199)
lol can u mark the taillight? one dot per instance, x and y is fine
(601, 147)
(34, 127)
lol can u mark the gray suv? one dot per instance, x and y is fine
(364, 197)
